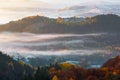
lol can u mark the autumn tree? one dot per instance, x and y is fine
(60, 20)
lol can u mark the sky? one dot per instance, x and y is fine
(17, 9)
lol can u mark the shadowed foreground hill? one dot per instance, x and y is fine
(13, 70)
(40, 24)
(113, 63)
(109, 71)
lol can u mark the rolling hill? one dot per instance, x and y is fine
(113, 63)
(40, 24)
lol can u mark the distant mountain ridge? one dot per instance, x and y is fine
(40, 24)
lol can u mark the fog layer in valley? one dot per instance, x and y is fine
(48, 44)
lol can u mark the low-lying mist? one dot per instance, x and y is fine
(48, 44)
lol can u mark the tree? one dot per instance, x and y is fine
(55, 77)
(42, 73)
(92, 78)
(59, 20)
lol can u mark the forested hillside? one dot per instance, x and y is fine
(40, 24)
(16, 70)
(13, 70)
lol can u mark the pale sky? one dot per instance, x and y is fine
(17, 9)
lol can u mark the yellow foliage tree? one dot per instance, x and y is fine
(55, 77)
(21, 63)
(59, 20)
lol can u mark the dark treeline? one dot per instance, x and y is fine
(13, 70)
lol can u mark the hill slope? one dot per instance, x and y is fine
(113, 63)
(13, 70)
(39, 24)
